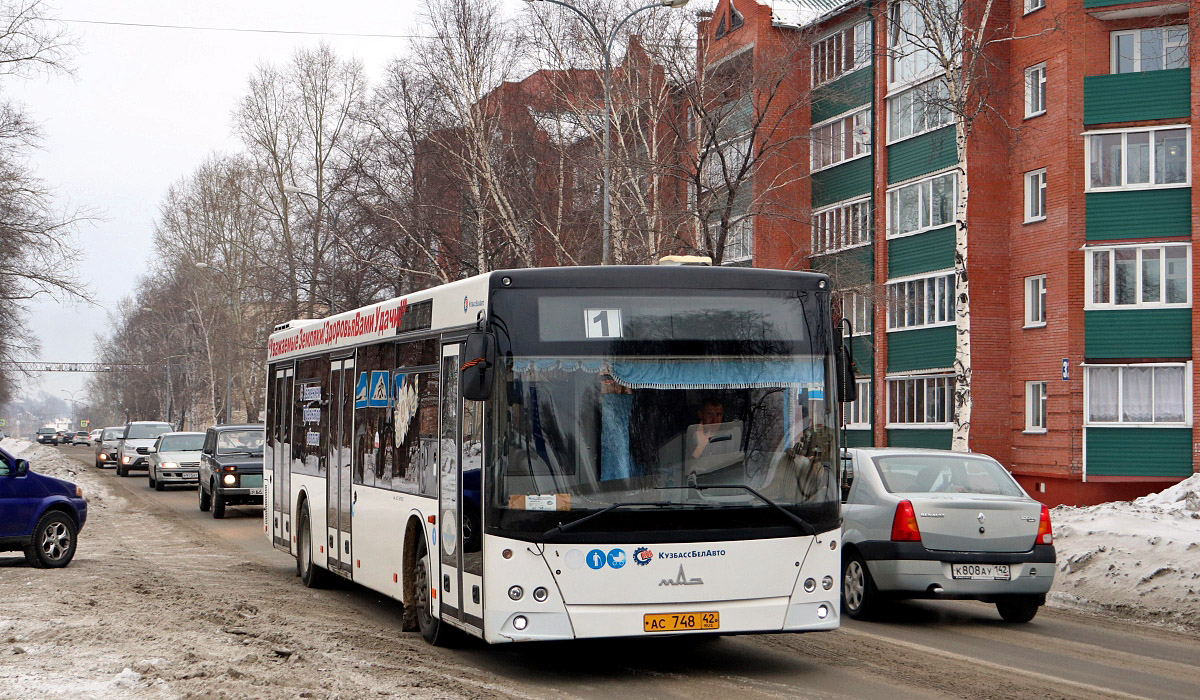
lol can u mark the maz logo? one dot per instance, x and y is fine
(681, 580)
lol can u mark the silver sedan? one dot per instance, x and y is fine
(938, 524)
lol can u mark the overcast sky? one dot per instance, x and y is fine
(144, 108)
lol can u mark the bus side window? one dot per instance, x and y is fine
(427, 468)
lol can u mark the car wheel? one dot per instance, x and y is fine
(218, 504)
(432, 629)
(150, 479)
(311, 575)
(205, 499)
(121, 469)
(1018, 608)
(53, 543)
(158, 485)
(859, 595)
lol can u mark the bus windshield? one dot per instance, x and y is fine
(677, 392)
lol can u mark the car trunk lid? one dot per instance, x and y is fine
(970, 522)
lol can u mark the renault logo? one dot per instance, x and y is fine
(981, 517)
(681, 580)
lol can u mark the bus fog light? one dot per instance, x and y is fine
(229, 479)
(822, 612)
(810, 585)
(519, 622)
(540, 594)
(515, 593)
(827, 582)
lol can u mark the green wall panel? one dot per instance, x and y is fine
(1139, 214)
(1127, 97)
(924, 252)
(937, 439)
(863, 347)
(924, 348)
(921, 154)
(843, 181)
(842, 95)
(1088, 4)
(1165, 333)
(859, 438)
(849, 268)
(1139, 451)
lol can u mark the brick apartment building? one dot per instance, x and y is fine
(1080, 226)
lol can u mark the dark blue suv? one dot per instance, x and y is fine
(39, 515)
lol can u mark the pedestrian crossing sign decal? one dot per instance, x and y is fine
(360, 391)
(380, 389)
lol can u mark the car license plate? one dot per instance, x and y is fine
(189, 475)
(255, 492)
(989, 572)
(679, 622)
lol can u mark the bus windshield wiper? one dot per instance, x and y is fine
(800, 523)
(561, 528)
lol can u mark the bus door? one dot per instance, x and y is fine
(281, 458)
(337, 513)
(460, 518)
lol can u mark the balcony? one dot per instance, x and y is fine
(1118, 9)
(1129, 97)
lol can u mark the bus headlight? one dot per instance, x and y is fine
(515, 593)
(540, 594)
(822, 611)
(520, 623)
(827, 582)
(810, 585)
(229, 479)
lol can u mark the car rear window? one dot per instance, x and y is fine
(945, 474)
(144, 431)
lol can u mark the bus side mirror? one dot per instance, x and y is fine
(844, 361)
(478, 368)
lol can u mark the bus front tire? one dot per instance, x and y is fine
(311, 575)
(432, 629)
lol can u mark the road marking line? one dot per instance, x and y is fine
(994, 666)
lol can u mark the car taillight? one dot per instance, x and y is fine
(1045, 534)
(904, 524)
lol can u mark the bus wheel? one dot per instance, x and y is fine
(311, 575)
(432, 629)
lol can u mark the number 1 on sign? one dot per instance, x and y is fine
(602, 323)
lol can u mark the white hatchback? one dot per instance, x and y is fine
(175, 459)
(938, 524)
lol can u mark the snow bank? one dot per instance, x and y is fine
(1139, 558)
(51, 462)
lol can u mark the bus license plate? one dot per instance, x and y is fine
(255, 492)
(990, 572)
(680, 622)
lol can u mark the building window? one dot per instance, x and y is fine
(1035, 195)
(843, 52)
(1035, 407)
(1156, 48)
(842, 226)
(1031, 5)
(1138, 394)
(910, 40)
(841, 139)
(1139, 159)
(922, 205)
(726, 163)
(921, 401)
(1153, 276)
(858, 413)
(1035, 301)
(739, 239)
(1035, 90)
(918, 110)
(921, 303)
(856, 308)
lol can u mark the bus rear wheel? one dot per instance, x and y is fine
(311, 575)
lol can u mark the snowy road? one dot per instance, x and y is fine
(162, 601)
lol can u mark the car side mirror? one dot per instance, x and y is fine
(479, 366)
(20, 467)
(847, 478)
(151, 450)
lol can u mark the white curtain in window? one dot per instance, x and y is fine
(1136, 395)
(1102, 392)
(1168, 394)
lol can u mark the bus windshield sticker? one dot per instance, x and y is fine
(602, 323)
(552, 501)
(380, 385)
(360, 391)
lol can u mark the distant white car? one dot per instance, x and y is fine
(940, 524)
(175, 459)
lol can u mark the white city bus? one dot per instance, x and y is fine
(564, 453)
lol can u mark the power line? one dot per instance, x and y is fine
(243, 30)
